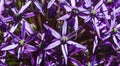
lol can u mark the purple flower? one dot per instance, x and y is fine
(63, 40)
(23, 42)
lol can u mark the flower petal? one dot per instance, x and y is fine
(88, 3)
(66, 16)
(64, 53)
(53, 45)
(95, 43)
(98, 4)
(54, 33)
(75, 62)
(1, 6)
(73, 3)
(38, 6)
(9, 47)
(23, 30)
(76, 23)
(39, 58)
(27, 26)
(96, 27)
(50, 3)
(64, 28)
(76, 44)
(116, 42)
(30, 48)
(67, 8)
(24, 7)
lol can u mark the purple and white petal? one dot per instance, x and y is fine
(9, 47)
(27, 26)
(88, 3)
(96, 27)
(98, 4)
(50, 3)
(64, 28)
(39, 7)
(23, 30)
(53, 45)
(39, 58)
(64, 53)
(54, 33)
(24, 7)
(76, 44)
(95, 44)
(29, 48)
(73, 3)
(67, 8)
(75, 62)
(64, 17)
(2, 6)
(115, 41)
(76, 23)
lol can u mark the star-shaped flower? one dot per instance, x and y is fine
(62, 40)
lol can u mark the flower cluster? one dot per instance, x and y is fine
(59, 32)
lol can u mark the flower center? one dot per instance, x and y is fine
(94, 12)
(22, 42)
(64, 38)
(109, 1)
(115, 30)
(75, 11)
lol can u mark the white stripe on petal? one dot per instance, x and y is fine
(50, 3)
(24, 7)
(54, 33)
(76, 44)
(64, 28)
(9, 47)
(53, 45)
(66, 16)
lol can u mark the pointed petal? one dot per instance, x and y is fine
(14, 10)
(96, 27)
(75, 62)
(64, 54)
(76, 23)
(117, 10)
(76, 44)
(64, 28)
(118, 26)
(27, 26)
(20, 51)
(9, 47)
(53, 45)
(73, 3)
(116, 42)
(88, 3)
(67, 8)
(7, 19)
(23, 30)
(1, 6)
(28, 15)
(24, 7)
(13, 28)
(105, 11)
(30, 48)
(54, 33)
(98, 4)
(87, 19)
(50, 3)
(83, 10)
(66, 16)
(39, 58)
(95, 43)
(39, 7)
